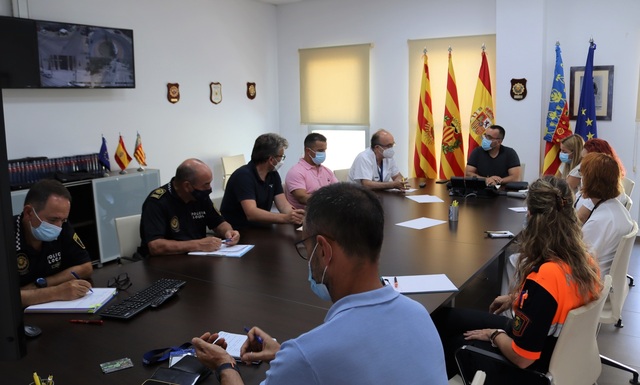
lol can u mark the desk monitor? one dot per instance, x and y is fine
(466, 186)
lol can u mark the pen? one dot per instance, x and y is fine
(50, 379)
(36, 379)
(246, 329)
(227, 240)
(76, 277)
(87, 321)
(395, 282)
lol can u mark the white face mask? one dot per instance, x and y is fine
(388, 153)
(278, 165)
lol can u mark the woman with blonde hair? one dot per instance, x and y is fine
(570, 155)
(555, 275)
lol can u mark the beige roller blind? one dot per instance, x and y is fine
(334, 85)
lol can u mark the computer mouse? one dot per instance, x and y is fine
(32, 331)
(423, 183)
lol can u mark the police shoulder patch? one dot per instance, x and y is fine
(520, 323)
(78, 241)
(23, 263)
(158, 193)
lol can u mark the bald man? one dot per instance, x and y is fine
(175, 216)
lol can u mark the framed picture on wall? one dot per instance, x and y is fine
(603, 88)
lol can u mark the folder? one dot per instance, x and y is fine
(90, 303)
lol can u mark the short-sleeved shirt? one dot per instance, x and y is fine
(166, 216)
(245, 184)
(365, 167)
(308, 178)
(548, 294)
(65, 252)
(487, 166)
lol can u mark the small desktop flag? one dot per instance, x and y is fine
(424, 156)
(122, 156)
(482, 109)
(586, 119)
(138, 152)
(557, 119)
(452, 155)
(103, 155)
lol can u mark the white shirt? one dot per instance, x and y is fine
(366, 167)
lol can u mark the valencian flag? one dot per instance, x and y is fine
(586, 119)
(482, 108)
(103, 155)
(452, 155)
(557, 119)
(424, 157)
(138, 152)
(122, 156)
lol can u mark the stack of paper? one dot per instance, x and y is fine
(90, 303)
(235, 251)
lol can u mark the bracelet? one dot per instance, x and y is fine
(494, 335)
(225, 366)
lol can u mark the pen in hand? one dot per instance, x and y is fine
(258, 338)
(76, 277)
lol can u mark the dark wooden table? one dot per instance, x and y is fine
(267, 287)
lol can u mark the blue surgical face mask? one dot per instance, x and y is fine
(319, 158)
(486, 144)
(564, 157)
(319, 289)
(46, 232)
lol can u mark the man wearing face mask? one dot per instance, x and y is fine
(375, 167)
(253, 188)
(175, 216)
(497, 163)
(48, 250)
(308, 175)
(371, 334)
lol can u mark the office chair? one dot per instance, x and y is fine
(229, 165)
(575, 358)
(628, 185)
(128, 232)
(342, 175)
(478, 379)
(612, 310)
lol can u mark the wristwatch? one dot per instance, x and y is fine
(227, 365)
(41, 282)
(494, 335)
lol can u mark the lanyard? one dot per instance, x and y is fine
(380, 170)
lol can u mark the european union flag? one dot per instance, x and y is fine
(586, 119)
(103, 155)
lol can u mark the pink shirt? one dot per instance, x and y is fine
(307, 177)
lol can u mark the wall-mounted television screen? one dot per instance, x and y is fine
(49, 54)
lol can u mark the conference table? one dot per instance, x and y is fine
(267, 287)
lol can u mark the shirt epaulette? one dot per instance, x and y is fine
(158, 193)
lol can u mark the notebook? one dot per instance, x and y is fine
(90, 303)
(428, 283)
(236, 251)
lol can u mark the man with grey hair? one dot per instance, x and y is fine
(254, 188)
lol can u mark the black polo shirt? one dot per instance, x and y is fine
(245, 183)
(166, 216)
(65, 252)
(487, 166)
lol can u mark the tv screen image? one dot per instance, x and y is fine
(75, 55)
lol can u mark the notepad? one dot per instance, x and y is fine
(235, 251)
(428, 283)
(234, 342)
(90, 303)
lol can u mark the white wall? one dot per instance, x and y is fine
(191, 42)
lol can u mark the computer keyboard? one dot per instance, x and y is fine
(153, 295)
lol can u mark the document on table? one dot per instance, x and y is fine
(234, 343)
(425, 198)
(420, 223)
(429, 283)
(90, 303)
(235, 251)
(409, 190)
(518, 209)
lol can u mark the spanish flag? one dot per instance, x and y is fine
(122, 156)
(424, 156)
(452, 155)
(482, 109)
(138, 152)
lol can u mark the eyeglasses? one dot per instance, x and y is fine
(283, 157)
(301, 249)
(385, 146)
(490, 137)
(121, 281)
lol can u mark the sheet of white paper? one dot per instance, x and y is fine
(420, 223)
(518, 209)
(235, 251)
(234, 342)
(90, 303)
(425, 198)
(403, 191)
(428, 283)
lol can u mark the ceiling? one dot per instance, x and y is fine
(276, 2)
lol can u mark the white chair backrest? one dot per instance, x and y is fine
(478, 379)
(575, 358)
(619, 288)
(628, 203)
(628, 185)
(128, 232)
(342, 175)
(229, 165)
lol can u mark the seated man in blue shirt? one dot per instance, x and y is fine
(497, 163)
(253, 188)
(371, 335)
(49, 251)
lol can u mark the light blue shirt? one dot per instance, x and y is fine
(377, 337)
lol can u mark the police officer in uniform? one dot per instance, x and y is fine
(49, 251)
(175, 216)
